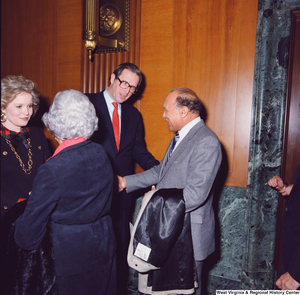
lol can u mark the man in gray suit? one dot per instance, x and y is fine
(192, 165)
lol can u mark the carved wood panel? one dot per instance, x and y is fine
(96, 73)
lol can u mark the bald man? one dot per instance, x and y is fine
(192, 165)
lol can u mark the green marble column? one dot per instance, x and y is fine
(247, 217)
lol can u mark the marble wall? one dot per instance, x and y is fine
(246, 223)
(247, 217)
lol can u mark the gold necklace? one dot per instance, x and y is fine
(27, 171)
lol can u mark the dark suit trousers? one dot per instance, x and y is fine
(121, 218)
(199, 265)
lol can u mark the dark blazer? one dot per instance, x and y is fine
(74, 190)
(15, 183)
(132, 144)
(290, 231)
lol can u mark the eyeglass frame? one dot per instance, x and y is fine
(127, 85)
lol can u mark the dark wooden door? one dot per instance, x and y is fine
(291, 150)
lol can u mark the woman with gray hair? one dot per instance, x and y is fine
(73, 190)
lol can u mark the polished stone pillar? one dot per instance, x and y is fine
(247, 217)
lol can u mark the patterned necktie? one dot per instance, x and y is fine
(116, 124)
(175, 139)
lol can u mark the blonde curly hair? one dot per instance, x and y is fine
(11, 86)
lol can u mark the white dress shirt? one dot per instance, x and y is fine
(185, 130)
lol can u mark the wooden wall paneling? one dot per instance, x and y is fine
(86, 72)
(9, 42)
(28, 42)
(42, 42)
(108, 68)
(113, 61)
(96, 73)
(28, 47)
(156, 62)
(102, 77)
(244, 92)
(135, 31)
(96, 87)
(84, 66)
(69, 36)
(218, 64)
(208, 46)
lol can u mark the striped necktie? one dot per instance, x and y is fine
(175, 139)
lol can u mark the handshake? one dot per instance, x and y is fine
(121, 183)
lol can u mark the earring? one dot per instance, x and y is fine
(3, 117)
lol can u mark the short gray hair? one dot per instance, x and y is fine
(71, 115)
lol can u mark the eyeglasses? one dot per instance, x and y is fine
(125, 85)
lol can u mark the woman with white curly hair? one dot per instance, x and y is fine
(73, 190)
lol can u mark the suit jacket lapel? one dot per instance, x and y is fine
(103, 110)
(163, 166)
(179, 149)
(124, 124)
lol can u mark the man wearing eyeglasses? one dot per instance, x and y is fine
(121, 133)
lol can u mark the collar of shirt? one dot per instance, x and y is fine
(185, 130)
(110, 106)
(9, 133)
(66, 143)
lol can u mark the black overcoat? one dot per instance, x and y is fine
(74, 190)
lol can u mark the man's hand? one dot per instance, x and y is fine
(152, 188)
(287, 190)
(121, 183)
(286, 282)
(276, 182)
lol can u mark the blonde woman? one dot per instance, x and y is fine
(23, 148)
